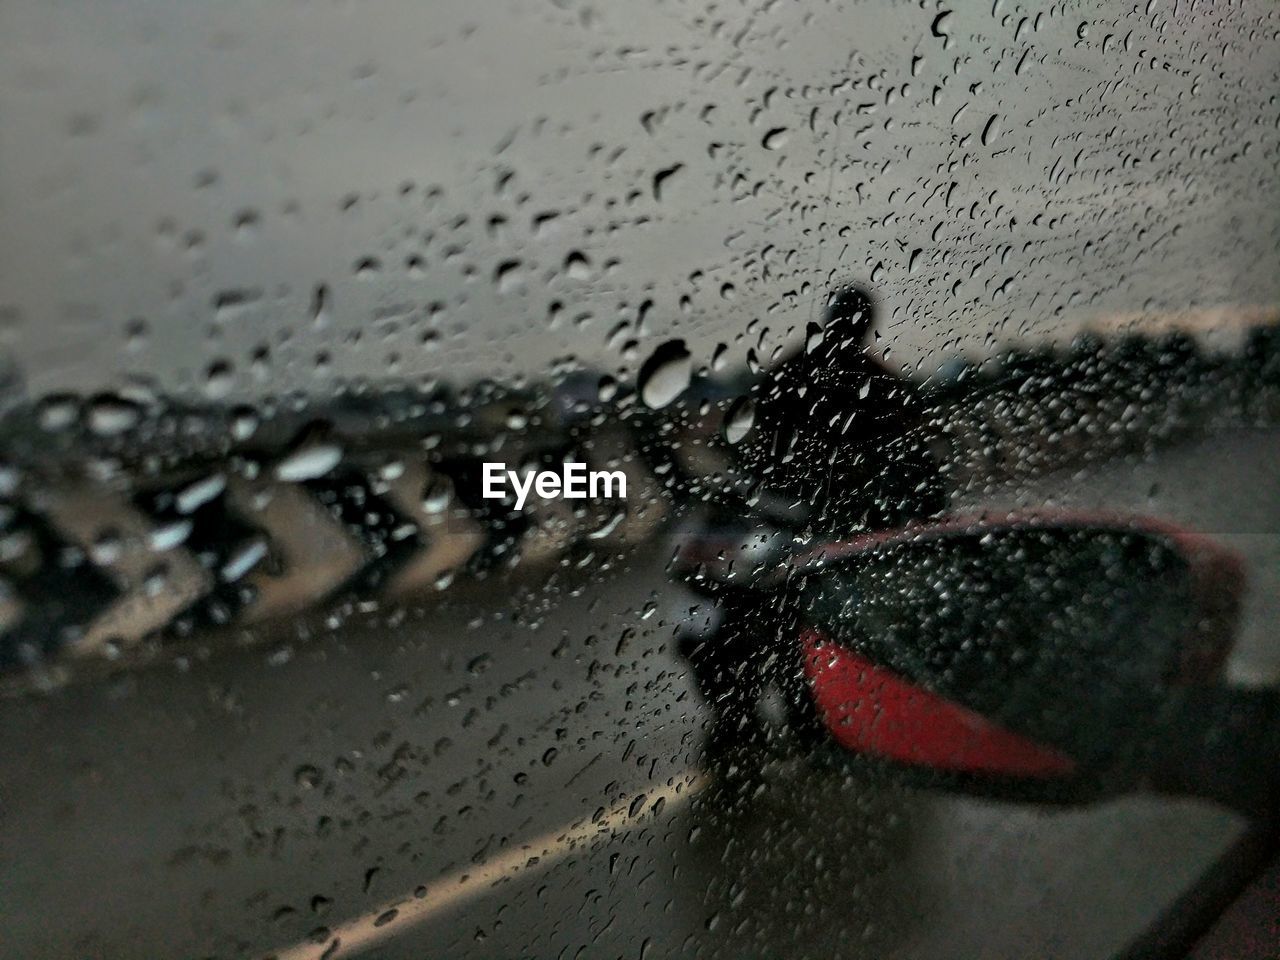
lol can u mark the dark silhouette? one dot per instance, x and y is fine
(836, 449)
(840, 434)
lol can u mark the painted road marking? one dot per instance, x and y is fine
(452, 536)
(530, 857)
(156, 585)
(317, 552)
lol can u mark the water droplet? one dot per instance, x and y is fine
(662, 177)
(320, 306)
(229, 304)
(775, 139)
(219, 379)
(137, 332)
(308, 463)
(813, 338)
(508, 276)
(739, 418)
(244, 424)
(665, 375)
(991, 130)
(57, 413)
(244, 560)
(368, 268)
(111, 415)
(106, 548)
(169, 536)
(199, 493)
(941, 25)
(577, 266)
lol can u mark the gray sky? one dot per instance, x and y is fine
(469, 189)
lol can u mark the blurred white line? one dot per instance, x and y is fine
(1222, 318)
(398, 916)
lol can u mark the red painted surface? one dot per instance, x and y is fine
(870, 709)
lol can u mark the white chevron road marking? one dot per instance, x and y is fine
(316, 552)
(158, 584)
(452, 536)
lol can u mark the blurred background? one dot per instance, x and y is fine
(272, 275)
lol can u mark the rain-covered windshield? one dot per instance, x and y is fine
(414, 419)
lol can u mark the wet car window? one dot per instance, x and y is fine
(564, 479)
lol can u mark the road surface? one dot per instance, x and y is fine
(522, 778)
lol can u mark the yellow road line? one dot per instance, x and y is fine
(381, 924)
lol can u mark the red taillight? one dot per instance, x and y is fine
(870, 709)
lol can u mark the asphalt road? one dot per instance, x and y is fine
(520, 777)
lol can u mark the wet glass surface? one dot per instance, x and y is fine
(943, 334)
